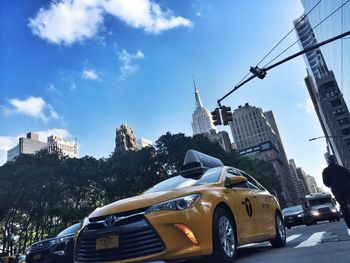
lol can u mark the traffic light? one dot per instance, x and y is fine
(259, 72)
(226, 114)
(215, 115)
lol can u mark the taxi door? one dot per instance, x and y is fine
(266, 205)
(247, 208)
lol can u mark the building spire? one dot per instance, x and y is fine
(196, 94)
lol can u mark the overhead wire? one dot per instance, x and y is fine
(312, 29)
(279, 42)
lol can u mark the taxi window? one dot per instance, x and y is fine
(211, 176)
(234, 172)
(252, 183)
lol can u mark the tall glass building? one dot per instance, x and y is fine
(337, 53)
(328, 82)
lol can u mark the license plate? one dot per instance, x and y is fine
(107, 242)
(37, 256)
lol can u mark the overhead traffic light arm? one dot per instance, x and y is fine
(261, 72)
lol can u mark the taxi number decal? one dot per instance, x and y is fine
(248, 207)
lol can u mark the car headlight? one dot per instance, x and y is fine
(300, 215)
(178, 204)
(334, 210)
(57, 241)
(315, 213)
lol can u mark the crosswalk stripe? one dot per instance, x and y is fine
(312, 240)
(292, 237)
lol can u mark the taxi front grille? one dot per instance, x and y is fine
(136, 239)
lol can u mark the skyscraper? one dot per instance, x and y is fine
(337, 53)
(64, 147)
(256, 135)
(326, 96)
(31, 144)
(125, 139)
(201, 117)
(26, 145)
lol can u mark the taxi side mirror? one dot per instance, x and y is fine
(233, 181)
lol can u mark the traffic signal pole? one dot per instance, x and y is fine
(264, 70)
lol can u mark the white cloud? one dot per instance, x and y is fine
(68, 21)
(73, 85)
(35, 107)
(8, 142)
(52, 88)
(89, 74)
(308, 106)
(128, 66)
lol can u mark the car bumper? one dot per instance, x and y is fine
(150, 237)
(294, 221)
(325, 216)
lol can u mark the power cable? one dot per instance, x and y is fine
(312, 29)
(280, 41)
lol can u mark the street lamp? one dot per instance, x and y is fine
(327, 141)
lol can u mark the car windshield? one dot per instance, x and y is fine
(320, 201)
(292, 209)
(176, 182)
(70, 230)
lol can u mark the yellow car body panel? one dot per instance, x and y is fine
(253, 212)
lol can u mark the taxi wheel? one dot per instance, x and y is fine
(280, 239)
(224, 238)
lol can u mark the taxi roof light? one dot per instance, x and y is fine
(196, 163)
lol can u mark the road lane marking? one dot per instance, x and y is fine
(312, 240)
(292, 237)
(349, 232)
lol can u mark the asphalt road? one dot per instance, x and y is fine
(322, 243)
(325, 242)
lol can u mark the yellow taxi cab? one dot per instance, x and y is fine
(206, 212)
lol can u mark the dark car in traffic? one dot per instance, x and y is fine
(294, 216)
(59, 249)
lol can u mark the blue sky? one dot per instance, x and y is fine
(81, 68)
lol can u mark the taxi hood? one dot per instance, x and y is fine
(144, 201)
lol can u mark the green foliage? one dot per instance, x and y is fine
(42, 194)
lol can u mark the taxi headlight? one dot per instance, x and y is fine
(178, 204)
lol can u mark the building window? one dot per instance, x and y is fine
(328, 85)
(345, 131)
(335, 103)
(343, 121)
(338, 112)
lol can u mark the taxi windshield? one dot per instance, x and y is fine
(177, 182)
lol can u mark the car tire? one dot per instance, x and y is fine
(224, 238)
(280, 239)
(338, 218)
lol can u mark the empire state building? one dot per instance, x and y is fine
(201, 117)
